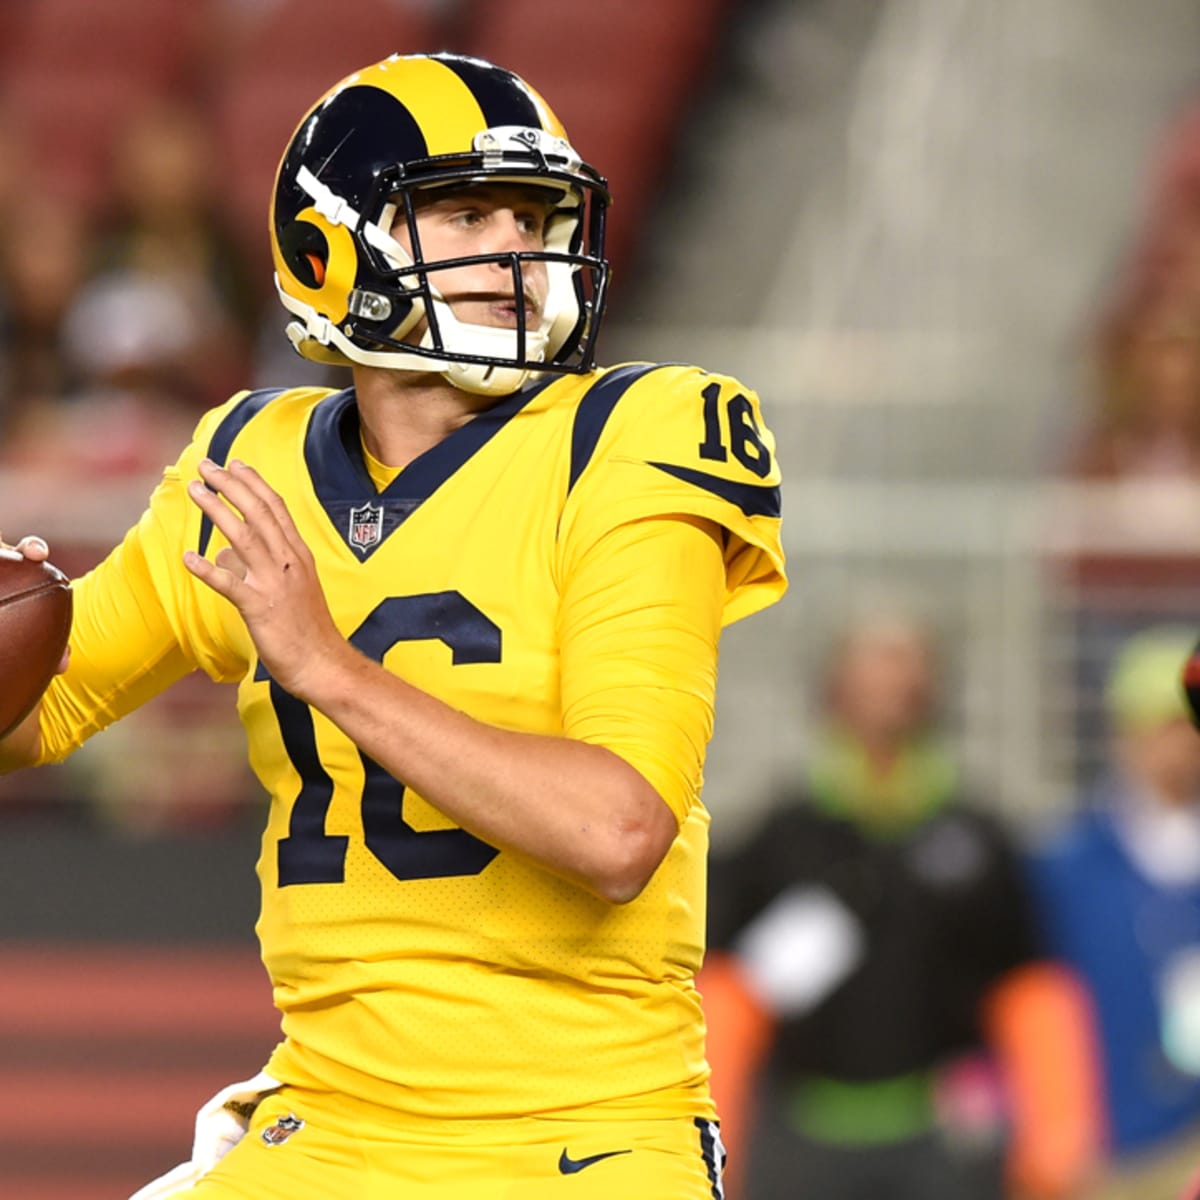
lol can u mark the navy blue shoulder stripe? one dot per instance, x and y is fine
(594, 410)
(755, 500)
(224, 435)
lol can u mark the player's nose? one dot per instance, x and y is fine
(507, 232)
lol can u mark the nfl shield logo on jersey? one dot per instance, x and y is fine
(277, 1134)
(366, 526)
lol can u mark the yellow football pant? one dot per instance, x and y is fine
(306, 1146)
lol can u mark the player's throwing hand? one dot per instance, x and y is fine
(266, 571)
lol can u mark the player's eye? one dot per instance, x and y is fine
(467, 217)
(532, 223)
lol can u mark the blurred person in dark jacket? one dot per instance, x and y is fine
(862, 940)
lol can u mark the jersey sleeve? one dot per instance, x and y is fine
(173, 523)
(141, 620)
(639, 625)
(653, 441)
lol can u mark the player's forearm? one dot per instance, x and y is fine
(577, 809)
(22, 747)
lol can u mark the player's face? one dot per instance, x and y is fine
(494, 218)
(883, 682)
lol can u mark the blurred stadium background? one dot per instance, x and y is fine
(899, 221)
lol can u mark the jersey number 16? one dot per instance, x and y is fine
(310, 855)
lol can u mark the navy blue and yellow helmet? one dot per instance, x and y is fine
(350, 173)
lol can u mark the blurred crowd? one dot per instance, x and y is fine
(907, 998)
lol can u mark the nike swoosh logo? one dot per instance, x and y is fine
(569, 1166)
(755, 500)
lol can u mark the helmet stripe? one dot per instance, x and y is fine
(549, 121)
(503, 98)
(439, 102)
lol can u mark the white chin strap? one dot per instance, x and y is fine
(317, 338)
(485, 341)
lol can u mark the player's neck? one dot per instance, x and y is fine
(403, 414)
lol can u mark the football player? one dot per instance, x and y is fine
(472, 606)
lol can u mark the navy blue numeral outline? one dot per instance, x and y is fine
(310, 855)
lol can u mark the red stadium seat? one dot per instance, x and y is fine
(621, 91)
(303, 38)
(277, 67)
(70, 121)
(156, 43)
(255, 117)
(73, 72)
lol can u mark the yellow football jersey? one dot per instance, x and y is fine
(417, 967)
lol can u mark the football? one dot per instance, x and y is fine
(35, 622)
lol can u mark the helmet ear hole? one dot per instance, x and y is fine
(306, 251)
(318, 267)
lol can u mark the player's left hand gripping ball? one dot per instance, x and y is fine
(35, 623)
